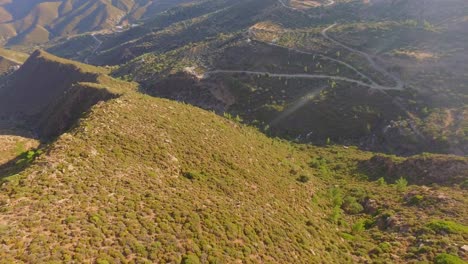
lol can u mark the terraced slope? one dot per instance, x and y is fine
(141, 179)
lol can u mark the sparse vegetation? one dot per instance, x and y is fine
(123, 177)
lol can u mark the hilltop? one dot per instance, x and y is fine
(143, 179)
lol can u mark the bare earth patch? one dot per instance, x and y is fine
(12, 145)
(417, 55)
(304, 4)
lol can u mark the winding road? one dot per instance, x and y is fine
(399, 83)
(349, 66)
(298, 76)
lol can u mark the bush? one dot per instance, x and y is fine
(385, 247)
(303, 178)
(441, 226)
(351, 206)
(401, 184)
(464, 185)
(336, 197)
(190, 259)
(358, 227)
(102, 261)
(448, 259)
(416, 199)
(336, 215)
(193, 175)
(381, 181)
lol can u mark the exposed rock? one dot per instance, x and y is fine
(464, 248)
(370, 206)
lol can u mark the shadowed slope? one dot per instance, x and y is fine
(50, 93)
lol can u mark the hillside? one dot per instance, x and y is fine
(47, 84)
(10, 60)
(348, 72)
(26, 23)
(45, 97)
(141, 179)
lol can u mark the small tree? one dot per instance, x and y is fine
(401, 184)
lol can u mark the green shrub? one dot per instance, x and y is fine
(401, 184)
(464, 185)
(336, 197)
(102, 261)
(351, 206)
(303, 178)
(190, 259)
(416, 199)
(347, 236)
(336, 215)
(441, 226)
(385, 247)
(70, 219)
(448, 259)
(193, 175)
(381, 181)
(358, 227)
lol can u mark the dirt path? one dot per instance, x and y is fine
(99, 42)
(299, 76)
(330, 2)
(398, 82)
(349, 66)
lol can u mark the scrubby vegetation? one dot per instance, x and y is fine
(141, 179)
(124, 177)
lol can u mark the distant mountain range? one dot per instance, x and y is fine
(38, 21)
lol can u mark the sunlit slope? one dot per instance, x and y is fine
(142, 179)
(24, 22)
(10, 59)
(169, 181)
(383, 75)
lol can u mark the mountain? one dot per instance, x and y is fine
(127, 177)
(234, 131)
(368, 73)
(26, 22)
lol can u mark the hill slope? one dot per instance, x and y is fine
(141, 179)
(32, 22)
(10, 60)
(368, 73)
(49, 89)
